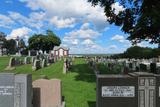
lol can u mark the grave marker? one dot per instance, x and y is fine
(15, 90)
(138, 89)
(47, 93)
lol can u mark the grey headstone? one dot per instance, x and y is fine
(15, 90)
(44, 63)
(12, 62)
(6, 90)
(36, 65)
(23, 91)
(27, 60)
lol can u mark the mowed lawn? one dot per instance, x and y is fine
(78, 86)
(3, 62)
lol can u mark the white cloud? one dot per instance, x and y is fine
(112, 47)
(83, 33)
(119, 38)
(81, 10)
(20, 32)
(6, 21)
(88, 42)
(62, 23)
(117, 8)
(82, 40)
(35, 19)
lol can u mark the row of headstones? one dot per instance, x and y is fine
(41, 61)
(106, 59)
(39, 64)
(149, 67)
(14, 61)
(19, 91)
(126, 65)
(68, 62)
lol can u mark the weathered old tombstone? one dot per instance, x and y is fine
(12, 63)
(36, 65)
(27, 60)
(138, 89)
(47, 93)
(33, 58)
(15, 90)
(44, 63)
(65, 66)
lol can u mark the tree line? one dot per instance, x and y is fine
(44, 42)
(139, 53)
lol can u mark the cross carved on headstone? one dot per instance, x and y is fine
(148, 86)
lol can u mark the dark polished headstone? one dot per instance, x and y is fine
(138, 89)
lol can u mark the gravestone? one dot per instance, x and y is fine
(15, 90)
(143, 67)
(44, 63)
(65, 66)
(12, 62)
(138, 89)
(47, 93)
(33, 58)
(153, 68)
(36, 65)
(6, 90)
(27, 60)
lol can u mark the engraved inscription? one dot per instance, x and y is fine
(118, 91)
(6, 90)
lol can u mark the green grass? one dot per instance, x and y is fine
(78, 86)
(4, 61)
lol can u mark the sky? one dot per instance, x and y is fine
(81, 27)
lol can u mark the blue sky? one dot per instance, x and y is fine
(81, 27)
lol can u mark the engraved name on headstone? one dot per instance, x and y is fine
(15, 90)
(137, 89)
(118, 91)
(6, 90)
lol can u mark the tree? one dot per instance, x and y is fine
(10, 45)
(53, 40)
(140, 18)
(44, 42)
(2, 39)
(36, 42)
(21, 44)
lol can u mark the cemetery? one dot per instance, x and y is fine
(80, 53)
(79, 75)
(95, 78)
